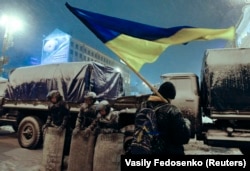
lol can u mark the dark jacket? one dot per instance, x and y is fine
(174, 129)
(58, 114)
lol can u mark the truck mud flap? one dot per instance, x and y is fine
(53, 149)
(81, 152)
(108, 151)
(219, 138)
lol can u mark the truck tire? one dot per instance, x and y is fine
(30, 132)
(245, 150)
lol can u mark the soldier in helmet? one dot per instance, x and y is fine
(106, 121)
(108, 118)
(58, 116)
(87, 112)
(58, 111)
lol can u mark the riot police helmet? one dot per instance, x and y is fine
(91, 95)
(54, 93)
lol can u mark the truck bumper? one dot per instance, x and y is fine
(221, 138)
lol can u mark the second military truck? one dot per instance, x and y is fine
(218, 102)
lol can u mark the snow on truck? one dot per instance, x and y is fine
(218, 104)
(23, 103)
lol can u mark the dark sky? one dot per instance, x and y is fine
(41, 17)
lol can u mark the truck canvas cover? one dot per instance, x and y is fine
(73, 80)
(225, 79)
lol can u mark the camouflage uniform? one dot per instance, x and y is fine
(87, 113)
(105, 123)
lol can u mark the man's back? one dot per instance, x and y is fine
(174, 131)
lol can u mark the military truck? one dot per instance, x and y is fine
(218, 102)
(23, 103)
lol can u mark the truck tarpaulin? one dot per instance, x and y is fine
(226, 79)
(73, 80)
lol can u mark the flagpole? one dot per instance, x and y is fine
(146, 82)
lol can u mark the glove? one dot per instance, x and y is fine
(44, 128)
(60, 129)
(87, 132)
(107, 130)
(76, 131)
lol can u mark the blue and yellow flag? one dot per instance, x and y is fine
(137, 43)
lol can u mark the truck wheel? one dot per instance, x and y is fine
(29, 132)
(245, 150)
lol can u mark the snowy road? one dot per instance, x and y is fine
(14, 158)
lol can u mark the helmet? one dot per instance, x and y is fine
(90, 95)
(54, 93)
(100, 107)
(104, 102)
(103, 105)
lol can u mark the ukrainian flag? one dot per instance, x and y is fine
(136, 43)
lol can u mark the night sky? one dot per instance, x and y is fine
(41, 17)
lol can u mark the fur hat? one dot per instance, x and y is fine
(167, 90)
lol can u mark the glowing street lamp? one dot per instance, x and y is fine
(10, 25)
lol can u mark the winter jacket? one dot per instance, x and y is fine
(173, 128)
(58, 114)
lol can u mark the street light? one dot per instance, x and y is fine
(10, 25)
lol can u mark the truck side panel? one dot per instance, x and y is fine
(225, 97)
(225, 80)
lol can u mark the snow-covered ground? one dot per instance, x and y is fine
(15, 158)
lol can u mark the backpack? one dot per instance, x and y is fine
(145, 132)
